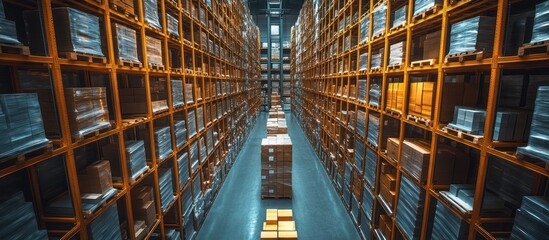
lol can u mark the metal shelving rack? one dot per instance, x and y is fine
(239, 103)
(316, 84)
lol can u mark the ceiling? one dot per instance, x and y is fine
(291, 7)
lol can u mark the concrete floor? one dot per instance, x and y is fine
(239, 212)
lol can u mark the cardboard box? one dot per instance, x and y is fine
(289, 235)
(431, 45)
(96, 178)
(392, 148)
(286, 226)
(146, 212)
(285, 215)
(270, 227)
(388, 181)
(271, 216)
(269, 235)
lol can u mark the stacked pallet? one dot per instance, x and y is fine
(276, 167)
(279, 224)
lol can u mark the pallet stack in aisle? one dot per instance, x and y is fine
(276, 167)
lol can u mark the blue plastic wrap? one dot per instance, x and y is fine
(448, 225)
(151, 13)
(183, 164)
(19, 219)
(180, 132)
(377, 59)
(77, 31)
(106, 226)
(177, 93)
(540, 32)
(127, 43)
(363, 62)
(173, 25)
(380, 17)
(538, 141)
(410, 208)
(8, 32)
(360, 123)
(396, 53)
(2, 15)
(531, 219)
(468, 119)
(373, 129)
(370, 168)
(400, 16)
(362, 90)
(135, 153)
(200, 118)
(191, 121)
(367, 203)
(154, 51)
(359, 154)
(365, 29)
(473, 34)
(375, 94)
(162, 142)
(189, 96)
(165, 183)
(422, 5)
(203, 153)
(194, 156)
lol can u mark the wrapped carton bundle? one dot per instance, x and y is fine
(540, 30)
(538, 141)
(191, 121)
(410, 208)
(370, 167)
(377, 59)
(276, 166)
(135, 155)
(77, 31)
(95, 178)
(415, 158)
(180, 133)
(106, 226)
(374, 94)
(143, 204)
(166, 186)
(151, 13)
(362, 90)
(400, 16)
(202, 146)
(363, 62)
(448, 225)
(183, 165)
(162, 142)
(126, 41)
(380, 17)
(421, 6)
(19, 219)
(530, 219)
(21, 126)
(365, 29)
(87, 109)
(177, 93)
(127, 5)
(173, 25)
(470, 120)
(473, 34)
(396, 53)
(8, 31)
(154, 51)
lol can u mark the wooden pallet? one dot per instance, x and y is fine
(374, 37)
(422, 121)
(397, 27)
(132, 121)
(123, 11)
(467, 56)
(29, 153)
(430, 11)
(501, 144)
(157, 67)
(374, 106)
(130, 64)
(531, 48)
(275, 197)
(375, 69)
(477, 139)
(94, 133)
(372, 146)
(422, 63)
(177, 70)
(141, 173)
(395, 66)
(74, 56)
(13, 49)
(393, 112)
(106, 197)
(187, 42)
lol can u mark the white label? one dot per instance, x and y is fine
(263, 177)
(271, 171)
(271, 158)
(271, 190)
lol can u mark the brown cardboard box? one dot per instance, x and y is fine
(96, 178)
(269, 235)
(141, 195)
(289, 235)
(285, 215)
(387, 168)
(271, 216)
(270, 227)
(427, 99)
(431, 45)
(392, 148)
(388, 181)
(146, 212)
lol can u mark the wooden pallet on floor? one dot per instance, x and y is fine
(477, 139)
(532, 48)
(423, 63)
(420, 120)
(13, 49)
(425, 14)
(131, 64)
(275, 197)
(467, 56)
(123, 11)
(74, 56)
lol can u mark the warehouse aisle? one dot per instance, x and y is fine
(239, 213)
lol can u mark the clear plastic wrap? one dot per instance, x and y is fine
(365, 29)
(177, 93)
(165, 183)
(538, 141)
(106, 225)
(191, 121)
(375, 94)
(8, 32)
(396, 53)
(194, 156)
(367, 203)
(531, 219)
(135, 153)
(422, 5)
(370, 168)
(360, 123)
(400, 16)
(359, 154)
(377, 59)
(447, 225)
(77, 31)
(373, 129)
(363, 62)
(21, 126)
(540, 31)
(362, 90)
(2, 15)
(473, 34)
(154, 51)
(19, 219)
(200, 118)
(127, 43)
(189, 96)
(162, 142)
(87, 109)
(173, 25)
(203, 152)
(180, 133)
(468, 119)
(380, 17)
(183, 164)
(151, 13)
(410, 208)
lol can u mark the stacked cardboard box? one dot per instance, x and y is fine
(143, 205)
(279, 224)
(126, 40)
(162, 142)
(457, 91)
(392, 148)
(177, 93)
(173, 25)
(421, 99)
(77, 31)
(377, 59)
(531, 219)
(470, 120)
(385, 226)
(151, 13)
(387, 183)
(95, 178)
(400, 16)
(380, 17)
(154, 51)
(87, 109)
(414, 158)
(463, 195)
(133, 101)
(396, 53)
(431, 45)
(375, 94)
(276, 166)
(538, 141)
(135, 153)
(127, 5)
(423, 5)
(395, 96)
(365, 29)
(473, 34)
(451, 165)
(19, 219)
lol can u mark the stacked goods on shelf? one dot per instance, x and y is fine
(421, 6)
(509, 181)
(399, 17)
(374, 95)
(95, 179)
(77, 31)
(200, 118)
(154, 51)
(363, 62)
(540, 31)
(537, 141)
(194, 156)
(370, 168)
(276, 166)
(470, 120)
(365, 29)
(451, 165)
(170, 234)
(166, 187)
(447, 225)
(19, 220)
(531, 219)
(21, 126)
(189, 96)
(126, 42)
(162, 142)
(387, 180)
(127, 5)
(377, 59)
(373, 129)
(359, 154)
(279, 224)
(151, 13)
(8, 32)
(180, 133)
(380, 17)
(511, 126)
(177, 93)
(135, 155)
(397, 53)
(421, 99)
(392, 149)
(384, 227)
(414, 158)
(106, 226)
(143, 205)
(360, 123)
(183, 165)
(368, 201)
(473, 34)
(191, 121)
(362, 90)
(173, 25)
(203, 153)
(410, 208)
(133, 101)
(87, 110)
(431, 45)
(462, 197)
(395, 96)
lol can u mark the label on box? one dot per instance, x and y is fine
(271, 158)
(91, 196)
(271, 191)
(271, 171)
(263, 177)
(271, 150)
